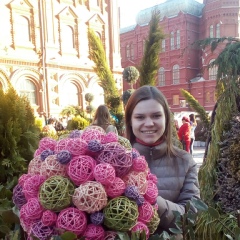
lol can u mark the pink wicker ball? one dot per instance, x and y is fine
(35, 165)
(139, 227)
(110, 137)
(41, 231)
(49, 218)
(145, 212)
(76, 146)
(94, 232)
(116, 188)
(61, 145)
(110, 235)
(51, 167)
(80, 169)
(137, 179)
(31, 186)
(116, 155)
(23, 178)
(90, 197)
(25, 222)
(18, 196)
(72, 219)
(47, 143)
(152, 177)
(93, 132)
(38, 152)
(32, 209)
(139, 164)
(104, 173)
(152, 192)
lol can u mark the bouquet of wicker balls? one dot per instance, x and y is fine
(90, 183)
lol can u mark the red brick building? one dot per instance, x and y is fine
(183, 22)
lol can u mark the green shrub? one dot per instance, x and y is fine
(77, 123)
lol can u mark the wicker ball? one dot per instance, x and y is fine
(47, 143)
(90, 197)
(120, 214)
(152, 177)
(72, 219)
(25, 222)
(18, 196)
(104, 173)
(75, 134)
(51, 167)
(45, 153)
(135, 153)
(23, 178)
(64, 157)
(139, 164)
(31, 186)
(154, 222)
(35, 165)
(116, 155)
(110, 137)
(97, 218)
(61, 145)
(32, 209)
(152, 192)
(125, 142)
(38, 152)
(93, 132)
(116, 188)
(146, 212)
(80, 169)
(55, 193)
(94, 146)
(140, 227)
(41, 231)
(131, 192)
(76, 146)
(49, 218)
(140, 200)
(110, 235)
(137, 179)
(94, 232)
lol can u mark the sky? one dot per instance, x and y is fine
(130, 8)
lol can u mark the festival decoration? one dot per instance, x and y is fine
(90, 183)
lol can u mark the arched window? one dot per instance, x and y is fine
(172, 40)
(208, 95)
(163, 45)
(212, 71)
(161, 76)
(218, 30)
(70, 95)
(178, 39)
(175, 74)
(132, 51)
(128, 51)
(22, 30)
(211, 31)
(27, 88)
(67, 37)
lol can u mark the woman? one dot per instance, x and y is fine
(102, 119)
(184, 133)
(148, 128)
(193, 124)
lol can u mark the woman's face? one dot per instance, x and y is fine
(148, 121)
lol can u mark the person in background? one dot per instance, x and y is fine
(193, 124)
(184, 133)
(50, 127)
(149, 129)
(102, 118)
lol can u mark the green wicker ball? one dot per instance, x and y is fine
(125, 142)
(154, 222)
(120, 214)
(56, 193)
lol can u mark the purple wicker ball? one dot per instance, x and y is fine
(64, 157)
(135, 153)
(131, 192)
(140, 200)
(75, 134)
(41, 231)
(18, 196)
(97, 218)
(46, 153)
(95, 146)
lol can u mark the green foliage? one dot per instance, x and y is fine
(77, 122)
(130, 75)
(89, 97)
(126, 95)
(150, 62)
(89, 109)
(68, 111)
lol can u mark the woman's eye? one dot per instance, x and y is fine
(157, 116)
(139, 117)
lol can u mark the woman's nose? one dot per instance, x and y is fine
(149, 122)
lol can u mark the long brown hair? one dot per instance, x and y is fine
(147, 93)
(102, 117)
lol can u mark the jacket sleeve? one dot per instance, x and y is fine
(189, 190)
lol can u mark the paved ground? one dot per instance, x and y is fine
(198, 153)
